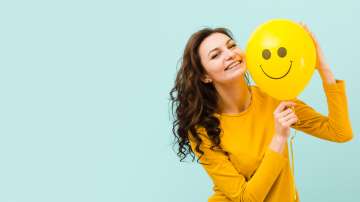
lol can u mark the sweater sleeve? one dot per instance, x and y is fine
(336, 126)
(233, 184)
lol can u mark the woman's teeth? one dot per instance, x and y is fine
(233, 65)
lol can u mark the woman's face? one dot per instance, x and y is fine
(222, 59)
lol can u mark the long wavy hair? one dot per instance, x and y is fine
(193, 101)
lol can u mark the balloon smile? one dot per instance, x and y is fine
(271, 77)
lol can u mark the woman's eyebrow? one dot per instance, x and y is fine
(217, 48)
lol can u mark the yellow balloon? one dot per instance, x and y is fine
(281, 57)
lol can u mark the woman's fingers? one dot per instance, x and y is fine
(287, 118)
(284, 117)
(285, 112)
(310, 32)
(291, 121)
(283, 105)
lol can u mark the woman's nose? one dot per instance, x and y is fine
(230, 54)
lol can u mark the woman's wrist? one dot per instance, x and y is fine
(327, 76)
(278, 143)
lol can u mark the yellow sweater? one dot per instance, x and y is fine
(252, 171)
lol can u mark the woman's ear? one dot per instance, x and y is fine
(206, 79)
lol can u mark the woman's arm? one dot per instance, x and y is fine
(323, 68)
(233, 184)
(336, 126)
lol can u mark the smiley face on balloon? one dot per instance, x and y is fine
(282, 70)
(281, 57)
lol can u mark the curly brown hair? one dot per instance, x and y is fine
(193, 100)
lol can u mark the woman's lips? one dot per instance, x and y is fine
(233, 64)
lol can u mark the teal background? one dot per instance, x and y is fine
(84, 111)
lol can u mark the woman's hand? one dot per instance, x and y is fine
(320, 60)
(322, 67)
(284, 117)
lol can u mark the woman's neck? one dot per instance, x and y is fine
(234, 98)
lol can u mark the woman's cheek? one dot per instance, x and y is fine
(220, 67)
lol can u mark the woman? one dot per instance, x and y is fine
(238, 132)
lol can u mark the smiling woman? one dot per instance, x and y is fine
(238, 132)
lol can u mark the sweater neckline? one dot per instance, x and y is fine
(242, 113)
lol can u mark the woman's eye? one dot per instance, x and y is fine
(214, 56)
(232, 45)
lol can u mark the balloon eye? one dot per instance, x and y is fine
(266, 54)
(282, 52)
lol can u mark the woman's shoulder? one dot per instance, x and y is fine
(261, 95)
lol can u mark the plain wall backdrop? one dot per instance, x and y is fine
(84, 106)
